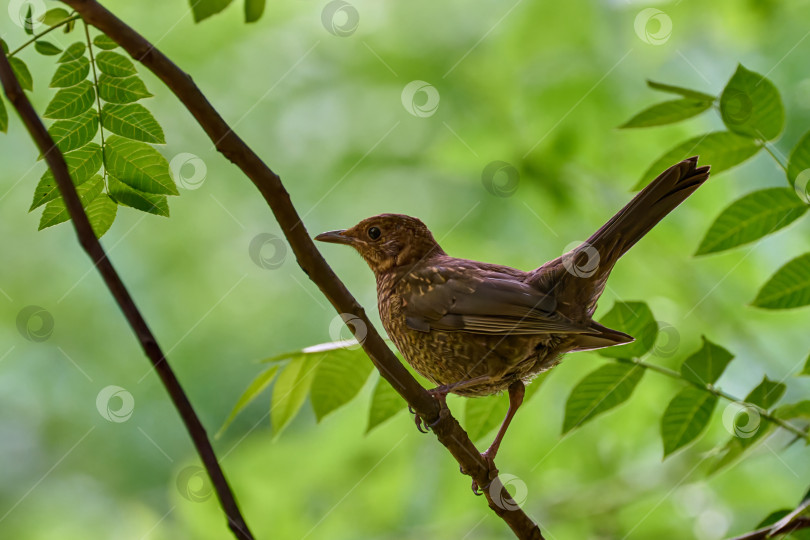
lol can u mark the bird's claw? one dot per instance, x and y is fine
(492, 473)
(420, 424)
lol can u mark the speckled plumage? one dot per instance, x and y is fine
(456, 320)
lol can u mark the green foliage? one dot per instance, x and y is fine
(788, 288)
(71, 102)
(635, 319)
(483, 414)
(722, 149)
(252, 392)
(766, 393)
(686, 416)
(599, 391)
(3, 117)
(706, 365)
(202, 9)
(752, 217)
(667, 112)
(751, 106)
(385, 403)
(339, 378)
(254, 10)
(131, 172)
(679, 90)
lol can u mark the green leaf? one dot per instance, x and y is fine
(139, 166)
(101, 213)
(766, 393)
(792, 411)
(74, 52)
(798, 169)
(28, 22)
(56, 211)
(291, 389)
(54, 16)
(385, 403)
(667, 112)
(755, 215)
(3, 117)
(46, 48)
(635, 319)
(806, 370)
(253, 10)
(601, 390)
(202, 9)
(121, 90)
(75, 132)
(70, 102)
(71, 73)
(22, 73)
(722, 149)
(340, 376)
(132, 121)
(114, 64)
(707, 364)
(82, 164)
(255, 388)
(685, 92)
(147, 202)
(103, 41)
(789, 287)
(751, 106)
(686, 416)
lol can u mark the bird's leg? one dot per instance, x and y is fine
(516, 391)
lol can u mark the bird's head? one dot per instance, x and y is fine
(387, 241)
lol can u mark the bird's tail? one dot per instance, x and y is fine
(651, 205)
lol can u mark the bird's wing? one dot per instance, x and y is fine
(452, 299)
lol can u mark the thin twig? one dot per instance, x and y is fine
(764, 413)
(768, 532)
(37, 36)
(91, 245)
(444, 425)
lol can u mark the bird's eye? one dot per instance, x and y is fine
(374, 233)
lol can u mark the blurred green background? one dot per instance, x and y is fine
(539, 85)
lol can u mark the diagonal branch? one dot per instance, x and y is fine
(91, 245)
(445, 426)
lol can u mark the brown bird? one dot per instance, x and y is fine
(475, 328)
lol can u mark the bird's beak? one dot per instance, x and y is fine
(335, 237)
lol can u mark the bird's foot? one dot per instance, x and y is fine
(422, 425)
(492, 473)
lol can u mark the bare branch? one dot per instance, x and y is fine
(768, 532)
(91, 245)
(446, 428)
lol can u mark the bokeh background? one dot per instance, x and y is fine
(539, 85)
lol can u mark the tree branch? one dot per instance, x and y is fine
(91, 245)
(768, 532)
(444, 425)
